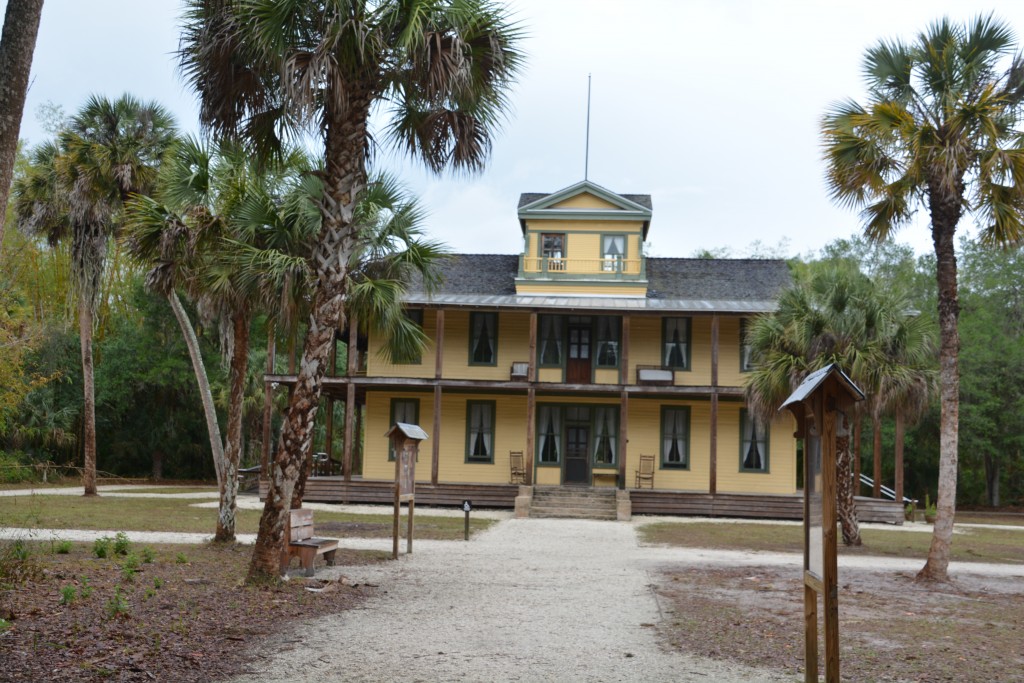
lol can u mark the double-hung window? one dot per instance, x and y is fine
(606, 435)
(405, 410)
(551, 341)
(675, 343)
(607, 338)
(483, 340)
(480, 431)
(675, 437)
(549, 435)
(552, 249)
(613, 252)
(753, 443)
(747, 363)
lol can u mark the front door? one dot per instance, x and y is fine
(577, 370)
(577, 470)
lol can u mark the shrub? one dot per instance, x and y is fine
(67, 595)
(62, 547)
(121, 543)
(84, 590)
(148, 555)
(101, 547)
(158, 582)
(17, 564)
(117, 606)
(15, 468)
(181, 559)
(4, 625)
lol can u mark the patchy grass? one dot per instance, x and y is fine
(80, 619)
(177, 514)
(891, 628)
(970, 545)
(1001, 518)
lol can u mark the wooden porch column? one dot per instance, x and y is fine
(531, 410)
(435, 446)
(352, 353)
(876, 490)
(713, 443)
(624, 402)
(329, 422)
(268, 402)
(623, 436)
(898, 485)
(531, 373)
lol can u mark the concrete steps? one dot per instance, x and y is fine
(578, 502)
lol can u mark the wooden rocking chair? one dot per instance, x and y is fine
(518, 469)
(645, 475)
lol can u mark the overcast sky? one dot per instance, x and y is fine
(710, 106)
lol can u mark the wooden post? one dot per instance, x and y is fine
(329, 421)
(435, 445)
(830, 596)
(624, 356)
(713, 441)
(898, 484)
(623, 436)
(810, 635)
(268, 403)
(398, 511)
(531, 374)
(408, 534)
(858, 426)
(531, 432)
(876, 489)
(351, 365)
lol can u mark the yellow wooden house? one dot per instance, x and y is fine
(603, 367)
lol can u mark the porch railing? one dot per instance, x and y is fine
(581, 266)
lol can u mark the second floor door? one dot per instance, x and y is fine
(577, 370)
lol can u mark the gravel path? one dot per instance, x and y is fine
(528, 600)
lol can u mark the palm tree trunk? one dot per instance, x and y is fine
(846, 507)
(89, 404)
(898, 484)
(233, 448)
(199, 368)
(17, 44)
(945, 214)
(345, 179)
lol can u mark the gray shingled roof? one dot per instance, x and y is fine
(643, 200)
(673, 284)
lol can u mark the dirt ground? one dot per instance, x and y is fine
(891, 628)
(182, 617)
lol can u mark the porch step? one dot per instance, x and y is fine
(573, 502)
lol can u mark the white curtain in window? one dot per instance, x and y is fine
(483, 338)
(674, 437)
(607, 341)
(405, 411)
(605, 437)
(674, 355)
(754, 444)
(550, 340)
(481, 432)
(549, 429)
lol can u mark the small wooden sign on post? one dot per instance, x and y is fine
(817, 405)
(405, 442)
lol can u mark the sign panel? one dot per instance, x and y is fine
(814, 486)
(407, 471)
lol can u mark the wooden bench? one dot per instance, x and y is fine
(302, 543)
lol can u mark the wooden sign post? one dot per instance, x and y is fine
(817, 404)
(405, 442)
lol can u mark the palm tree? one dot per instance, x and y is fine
(440, 69)
(939, 131)
(110, 150)
(840, 316)
(208, 202)
(17, 44)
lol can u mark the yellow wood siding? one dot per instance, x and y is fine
(549, 374)
(606, 376)
(375, 447)
(513, 346)
(781, 475)
(624, 227)
(700, 355)
(729, 374)
(645, 439)
(601, 289)
(378, 366)
(645, 349)
(584, 200)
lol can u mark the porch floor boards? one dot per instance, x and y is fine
(644, 501)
